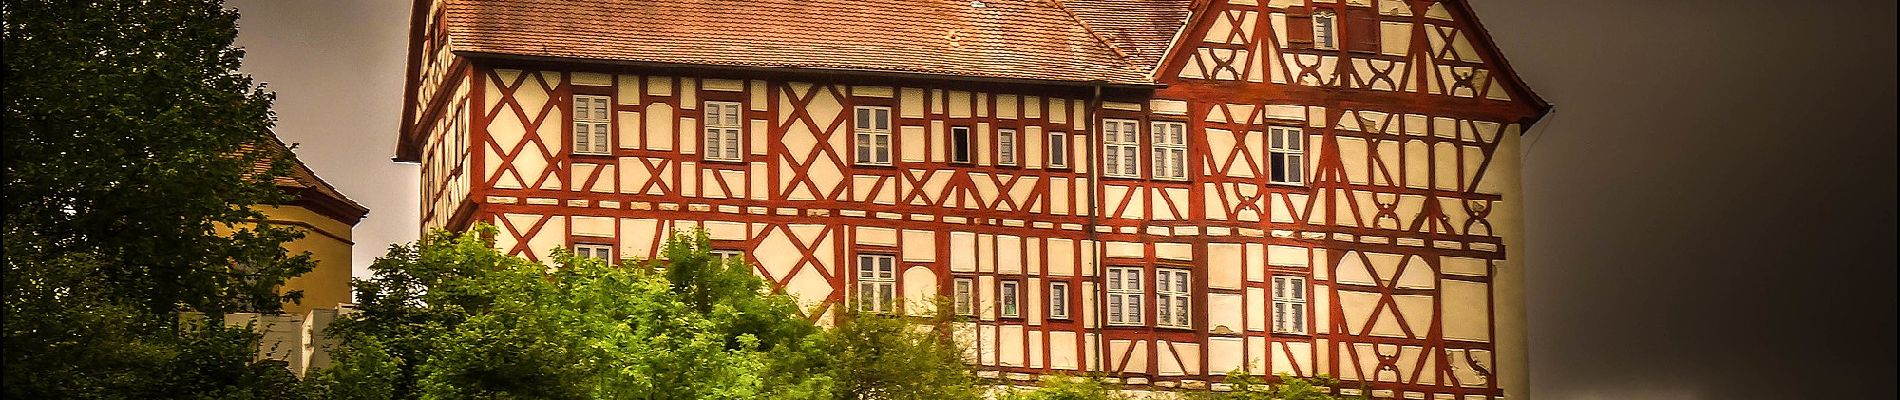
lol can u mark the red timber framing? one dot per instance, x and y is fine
(1390, 230)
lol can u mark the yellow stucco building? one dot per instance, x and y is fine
(327, 219)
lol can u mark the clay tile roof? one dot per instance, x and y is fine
(309, 189)
(998, 39)
(1142, 29)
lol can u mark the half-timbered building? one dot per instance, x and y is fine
(1158, 190)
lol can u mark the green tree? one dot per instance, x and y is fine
(883, 356)
(132, 162)
(451, 317)
(1069, 388)
(1249, 387)
(1242, 386)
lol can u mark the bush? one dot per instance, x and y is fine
(452, 317)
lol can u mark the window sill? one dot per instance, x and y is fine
(1171, 180)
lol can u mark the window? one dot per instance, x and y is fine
(595, 251)
(1124, 296)
(1323, 30)
(722, 131)
(1058, 300)
(1058, 150)
(1171, 297)
(965, 301)
(1170, 150)
(590, 125)
(874, 135)
(1010, 299)
(725, 256)
(877, 283)
(1289, 304)
(960, 144)
(1006, 147)
(1284, 155)
(460, 151)
(1120, 146)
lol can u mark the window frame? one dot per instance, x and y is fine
(962, 146)
(1007, 142)
(592, 250)
(714, 127)
(1058, 150)
(1162, 147)
(722, 255)
(1009, 298)
(1058, 300)
(1325, 35)
(602, 124)
(1120, 296)
(1286, 147)
(1280, 302)
(883, 283)
(1181, 296)
(1121, 142)
(963, 296)
(865, 150)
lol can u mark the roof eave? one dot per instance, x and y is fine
(717, 68)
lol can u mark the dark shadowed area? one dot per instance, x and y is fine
(1710, 209)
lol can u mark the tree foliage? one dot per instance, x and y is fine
(1249, 387)
(131, 158)
(1241, 386)
(451, 317)
(131, 137)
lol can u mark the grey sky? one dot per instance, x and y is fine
(337, 69)
(1710, 210)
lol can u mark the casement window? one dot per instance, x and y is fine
(1058, 150)
(1006, 147)
(1010, 296)
(1121, 146)
(1058, 300)
(594, 251)
(960, 144)
(873, 129)
(722, 131)
(1325, 30)
(1124, 296)
(1169, 150)
(877, 283)
(1289, 304)
(963, 294)
(591, 122)
(460, 151)
(1172, 298)
(1285, 155)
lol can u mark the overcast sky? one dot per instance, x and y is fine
(1710, 209)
